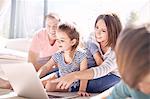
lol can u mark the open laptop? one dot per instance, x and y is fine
(25, 81)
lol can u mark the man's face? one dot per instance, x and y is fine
(51, 27)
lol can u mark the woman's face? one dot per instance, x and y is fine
(101, 33)
(144, 85)
(51, 27)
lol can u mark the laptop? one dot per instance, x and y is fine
(25, 81)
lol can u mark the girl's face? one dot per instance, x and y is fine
(101, 33)
(63, 41)
(51, 27)
(144, 85)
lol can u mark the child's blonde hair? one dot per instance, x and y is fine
(133, 54)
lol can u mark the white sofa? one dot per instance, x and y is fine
(20, 44)
(13, 50)
(15, 47)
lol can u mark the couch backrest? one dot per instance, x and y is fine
(21, 44)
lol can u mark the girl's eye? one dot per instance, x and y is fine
(59, 40)
(96, 27)
(103, 31)
(62, 40)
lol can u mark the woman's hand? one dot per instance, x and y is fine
(65, 82)
(83, 93)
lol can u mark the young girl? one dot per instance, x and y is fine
(68, 59)
(104, 76)
(134, 64)
(96, 50)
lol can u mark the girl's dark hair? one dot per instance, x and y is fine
(113, 25)
(133, 54)
(71, 31)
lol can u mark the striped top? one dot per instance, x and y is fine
(65, 68)
(108, 66)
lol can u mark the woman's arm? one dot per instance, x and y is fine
(93, 49)
(98, 59)
(106, 67)
(46, 68)
(65, 81)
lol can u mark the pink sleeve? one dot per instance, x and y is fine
(35, 44)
